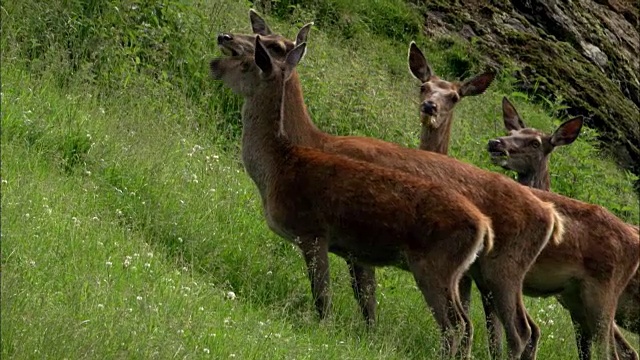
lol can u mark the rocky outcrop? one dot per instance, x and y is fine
(585, 51)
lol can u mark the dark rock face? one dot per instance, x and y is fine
(583, 50)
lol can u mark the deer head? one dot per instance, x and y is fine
(244, 44)
(526, 150)
(438, 97)
(256, 73)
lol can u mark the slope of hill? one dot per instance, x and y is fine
(128, 226)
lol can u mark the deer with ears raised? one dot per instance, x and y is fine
(434, 89)
(526, 150)
(330, 203)
(530, 226)
(592, 233)
(438, 100)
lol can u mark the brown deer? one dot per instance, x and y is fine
(438, 100)
(526, 151)
(434, 89)
(330, 203)
(531, 223)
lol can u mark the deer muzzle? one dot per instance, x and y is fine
(227, 45)
(429, 108)
(497, 149)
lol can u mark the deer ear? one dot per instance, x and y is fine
(418, 65)
(258, 24)
(567, 132)
(293, 58)
(302, 34)
(476, 85)
(262, 58)
(510, 116)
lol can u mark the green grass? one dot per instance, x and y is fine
(127, 217)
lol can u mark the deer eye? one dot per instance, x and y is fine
(535, 144)
(277, 49)
(424, 88)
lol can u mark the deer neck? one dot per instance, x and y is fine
(262, 144)
(537, 178)
(296, 120)
(437, 139)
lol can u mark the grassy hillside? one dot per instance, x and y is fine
(129, 228)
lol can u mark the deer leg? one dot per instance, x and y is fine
(316, 255)
(464, 291)
(571, 300)
(531, 350)
(467, 338)
(599, 306)
(583, 338)
(625, 350)
(363, 282)
(435, 283)
(492, 321)
(508, 303)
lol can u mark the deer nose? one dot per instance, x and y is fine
(429, 108)
(224, 37)
(494, 144)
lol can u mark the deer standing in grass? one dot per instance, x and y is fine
(522, 226)
(325, 202)
(561, 269)
(438, 99)
(526, 151)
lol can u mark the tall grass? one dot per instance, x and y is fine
(129, 229)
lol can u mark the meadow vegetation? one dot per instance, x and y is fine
(129, 228)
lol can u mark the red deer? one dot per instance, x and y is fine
(522, 226)
(436, 94)
(330, 203)
(527, 150)
(592, 233)
(438, 100)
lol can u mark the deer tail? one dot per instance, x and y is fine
(556, 232)
(488, 236)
